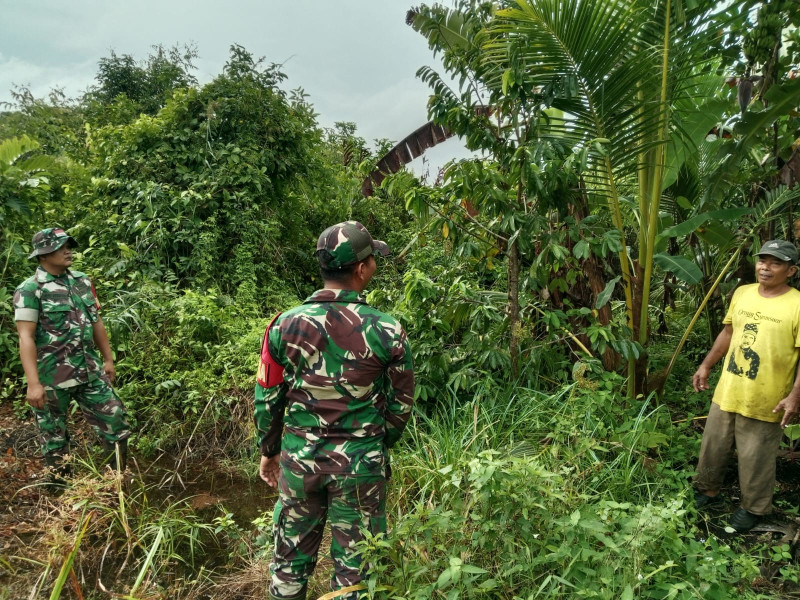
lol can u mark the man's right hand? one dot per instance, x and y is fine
(700, 379)
(35, 395)
(269, 470)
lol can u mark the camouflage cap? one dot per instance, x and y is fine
(347, 243)
(49, 240)
(780, 249)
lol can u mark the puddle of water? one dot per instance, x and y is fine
(208, 487)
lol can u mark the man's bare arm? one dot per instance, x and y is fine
(717, 352)
(791, 404)
(100, 337)
(27, 354)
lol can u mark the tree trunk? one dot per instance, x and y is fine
(513, 306)
(639, 304)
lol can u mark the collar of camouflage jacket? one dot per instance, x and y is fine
(42, 276)
(325, 295)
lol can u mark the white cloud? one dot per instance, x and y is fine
(357, 59)
(41, 78)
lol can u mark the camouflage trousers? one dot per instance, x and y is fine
(100, 405)
(352, 503)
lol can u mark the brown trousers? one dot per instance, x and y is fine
(756, 446)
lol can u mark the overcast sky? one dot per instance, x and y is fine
(356, 59)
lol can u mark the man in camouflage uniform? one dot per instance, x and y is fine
(60, 333)
(340, 371)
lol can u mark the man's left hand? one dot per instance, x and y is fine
(108, 369)
(790, 405)
(269, 469)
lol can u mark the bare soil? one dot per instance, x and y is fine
(38, 526)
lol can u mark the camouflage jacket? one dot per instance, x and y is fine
(347, 390)
(64, 309)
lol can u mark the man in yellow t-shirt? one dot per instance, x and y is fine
(759, 390)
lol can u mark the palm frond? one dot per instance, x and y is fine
(13, 149)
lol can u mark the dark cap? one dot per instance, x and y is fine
(347, 243)
(780, 249)
(49, 240)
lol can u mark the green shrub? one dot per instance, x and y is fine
(520, 494)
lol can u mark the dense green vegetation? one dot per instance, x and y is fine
(632, 154)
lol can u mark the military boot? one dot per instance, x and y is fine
(299, 596)
(110, 452)
(57, 471)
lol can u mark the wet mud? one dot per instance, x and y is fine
(209, 488)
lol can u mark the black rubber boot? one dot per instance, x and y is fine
(111, 454)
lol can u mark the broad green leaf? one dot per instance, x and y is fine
(685, 228)
(473, 569)
(444, 578)
(781, 100)
(694, 129)
(604, 296)
(715, 233)
(581, 249)
(682, 268)
(792, 431)
(729, 214)
(692, 224)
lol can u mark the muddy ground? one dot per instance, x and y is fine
(38, 526)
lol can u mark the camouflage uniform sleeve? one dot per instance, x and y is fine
(270, 404)
(401, 392)
(26, 303)
(85, 289)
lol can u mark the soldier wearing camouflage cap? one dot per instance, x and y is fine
(61, 341)
(334, 393)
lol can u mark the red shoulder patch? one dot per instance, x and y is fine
(270, 371)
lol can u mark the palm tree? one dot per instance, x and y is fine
(22, 175)
(617, 69)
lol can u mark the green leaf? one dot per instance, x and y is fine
(444, 579)
(716, 233)
(781, 100)
(792, 431)
(681, 267)
(694, 223)
(627, 593)
(508, 79)
(581, 249)
(604, 296)
(685, 228)
(694, 128)
(730, 214)
(473, 569)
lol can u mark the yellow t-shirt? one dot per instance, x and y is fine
(760, 366)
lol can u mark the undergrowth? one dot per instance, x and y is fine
(578, 494)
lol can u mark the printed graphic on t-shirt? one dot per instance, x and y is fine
(744, 361)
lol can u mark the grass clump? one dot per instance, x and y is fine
(577, 494)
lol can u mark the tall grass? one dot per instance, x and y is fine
(518, 494)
